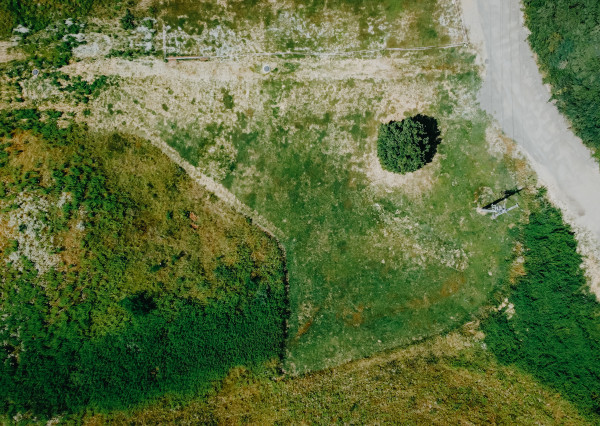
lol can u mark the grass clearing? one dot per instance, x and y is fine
(371, 267)
(376, 260)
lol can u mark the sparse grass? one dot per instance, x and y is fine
(215, 27)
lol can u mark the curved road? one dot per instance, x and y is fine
(513, 93)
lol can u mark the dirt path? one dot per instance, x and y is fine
(514, 94)
(318, 54)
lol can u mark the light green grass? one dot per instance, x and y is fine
(371, 266)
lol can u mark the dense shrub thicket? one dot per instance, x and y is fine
(156, 290)
(408, 145)
(554, 332)
(36, 15)
(47, 49)
(564, 34)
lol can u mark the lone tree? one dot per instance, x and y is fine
(408, 145)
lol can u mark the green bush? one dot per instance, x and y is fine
(554, 332)
(408, 145)
(128, 20)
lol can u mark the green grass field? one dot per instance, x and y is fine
(372, 266)
(131, 295)
(375, 260)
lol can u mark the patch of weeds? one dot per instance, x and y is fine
(227, 99)
(289, 67)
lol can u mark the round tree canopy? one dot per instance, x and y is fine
(408, 145)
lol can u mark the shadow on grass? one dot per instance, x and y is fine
(507, 194)
(432, 131)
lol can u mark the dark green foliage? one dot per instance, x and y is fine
(80, 90)
(132, 53)
(408, 145)
(128, 20)
(180, 347)
(227, 99)
(45, 124)
(51, 48)
(36, 15)
(564, 34)
(143, 305)
(7, 20)
(555, 331)
(170, 345)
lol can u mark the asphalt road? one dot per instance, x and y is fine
(513, 93)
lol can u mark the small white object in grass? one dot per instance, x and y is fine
(266, 68)
(21, 29)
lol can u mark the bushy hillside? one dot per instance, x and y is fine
(121, 280)
(35, 15)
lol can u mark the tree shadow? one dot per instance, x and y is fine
(432, 131)
(507, 194)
